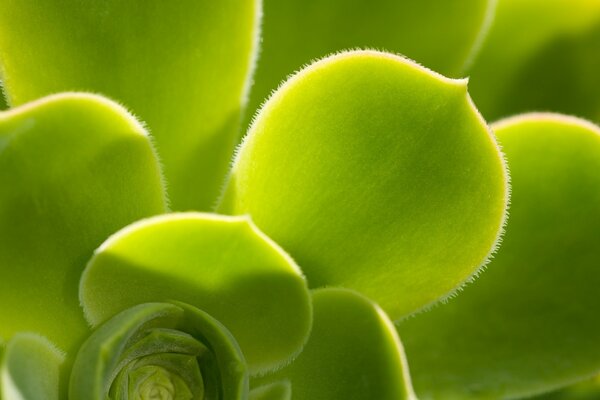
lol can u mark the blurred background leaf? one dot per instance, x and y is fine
(442, 35)
(180, 66)
(530, 323)
(540, 55)
(353, 353)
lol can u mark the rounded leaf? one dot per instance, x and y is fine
(530, 323)
(353, 353)
(182, 66)
(29, 368)
(375, 174)
(74, 168)
(222, 265)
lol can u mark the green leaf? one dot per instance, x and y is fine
(29, 368)
(73, 169)
(585, 390)
(3, 104)
(548, 53)
(375, 174)
(281, 390)
(222, 265)
(181, 66)
(443, 35)
(353, 353)
(530, 323)
(160, 350)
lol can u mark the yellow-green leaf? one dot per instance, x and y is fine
(353, 353)
(375, 174)
(222, 265)
(181, 66)
(530, 323)
(540, 55)
(74, 168)
(29, 368)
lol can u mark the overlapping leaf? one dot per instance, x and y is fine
(375, 174)
(443, 35)
(74, 168)
(530, 322)
(181, 66)
(353, 353)
(221, 265)
(29, 369)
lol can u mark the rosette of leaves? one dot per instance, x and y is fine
(222, 266)
(375, 176)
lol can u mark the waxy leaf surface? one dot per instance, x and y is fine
(353, 353)
(540, 55)
(375, 174)
(222, 265)
(29, 368)
(181, 66)
(530, 322)
(442, 35)
(74, 168)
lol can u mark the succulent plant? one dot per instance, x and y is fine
(355, 244)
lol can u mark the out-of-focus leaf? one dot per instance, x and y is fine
(586, 390)
(375, 174)
(181, 66)
(530, 322)
(74, 168)
(442, 35)
(353, 353)
(281, 390)
(29, 368)
(160, 351)
(541, 55)
(3, 105)
(222, 265)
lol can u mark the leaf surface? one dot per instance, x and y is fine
(530, 323)
(375, 174)
(181, 66)
(222, 265)
(540, 55)
(29, 368)
(353, 353)
(442, 35)
(74, 168)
